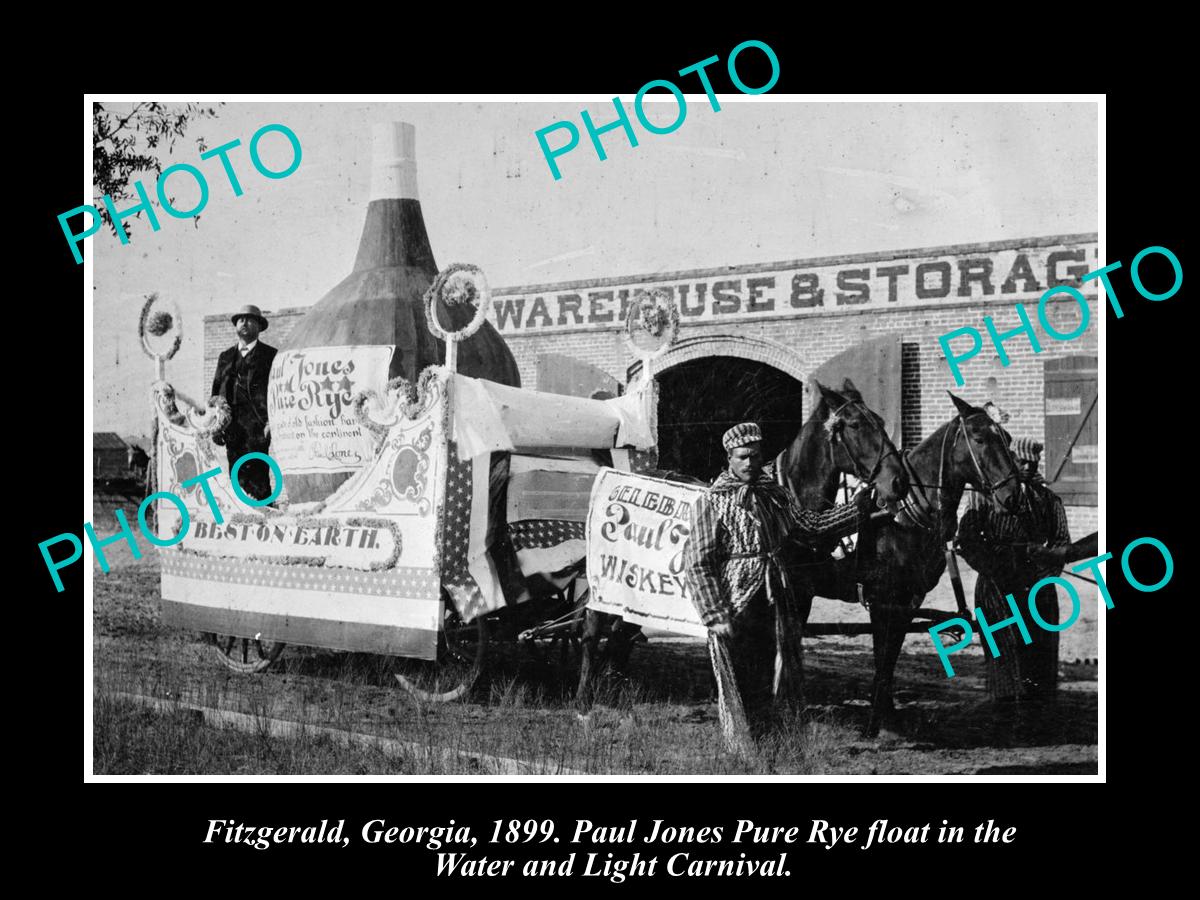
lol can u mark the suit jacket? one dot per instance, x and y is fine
(250, 419)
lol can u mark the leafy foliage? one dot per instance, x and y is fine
(126, 143)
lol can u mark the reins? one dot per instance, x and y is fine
(918, 507)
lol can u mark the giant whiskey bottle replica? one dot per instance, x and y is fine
(369, 328)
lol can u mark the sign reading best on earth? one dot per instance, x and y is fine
(871, 282)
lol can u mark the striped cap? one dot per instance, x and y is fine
(741, 435)
(1027, 449)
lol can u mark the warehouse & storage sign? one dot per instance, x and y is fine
(1026, 328)
(868, 282)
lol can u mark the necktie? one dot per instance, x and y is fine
(244, 351)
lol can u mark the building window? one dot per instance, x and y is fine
(910, 395)
(1071, 456)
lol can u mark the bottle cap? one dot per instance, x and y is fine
(393, 161)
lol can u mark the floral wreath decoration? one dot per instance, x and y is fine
(402, 399)
(160, 329)
(657, 316)
(455, 285)
(405, 402)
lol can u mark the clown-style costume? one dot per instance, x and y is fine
(1006, 549)
(736, 562)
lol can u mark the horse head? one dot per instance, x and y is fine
(981, 456)
(859, 443)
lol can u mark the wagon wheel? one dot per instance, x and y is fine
(461, 651)
(245, 655)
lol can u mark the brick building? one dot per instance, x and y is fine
(773, 325)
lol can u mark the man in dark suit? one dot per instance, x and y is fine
(241, 379)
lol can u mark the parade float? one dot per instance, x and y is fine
(425, 498)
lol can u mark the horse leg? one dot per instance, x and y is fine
(889, 624)
(593, 625)
(620, 645)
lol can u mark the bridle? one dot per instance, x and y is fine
(886, 447)
(985, 483)
(917, 505)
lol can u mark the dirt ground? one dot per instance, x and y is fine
(661, 720)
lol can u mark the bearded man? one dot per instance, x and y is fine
(241, 378)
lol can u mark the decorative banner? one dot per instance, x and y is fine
(313, 424)
(351, 543)
(1007, 272)
(636, 530)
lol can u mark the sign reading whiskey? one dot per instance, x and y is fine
(1000, 271)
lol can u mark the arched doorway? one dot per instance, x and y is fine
(700, 398)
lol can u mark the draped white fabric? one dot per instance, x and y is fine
(492, 417)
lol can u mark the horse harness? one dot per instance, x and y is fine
(886, 447)
(917, 506)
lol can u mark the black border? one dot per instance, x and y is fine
(1149, 479)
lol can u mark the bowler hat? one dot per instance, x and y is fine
(250, 310)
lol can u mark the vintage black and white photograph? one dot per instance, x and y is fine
(677, 435)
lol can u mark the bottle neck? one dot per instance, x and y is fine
(394, 235)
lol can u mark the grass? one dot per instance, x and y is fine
(628, 730)
(133, 740)
(661, 721)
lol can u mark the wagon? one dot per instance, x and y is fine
(465, 520)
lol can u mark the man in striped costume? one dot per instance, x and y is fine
(1012, 552)
(735, 563)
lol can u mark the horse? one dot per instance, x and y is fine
(899, 560)
(840, 436)
(811, 468)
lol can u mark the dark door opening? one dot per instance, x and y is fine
(700, 400)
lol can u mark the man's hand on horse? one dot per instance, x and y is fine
(865, 502)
